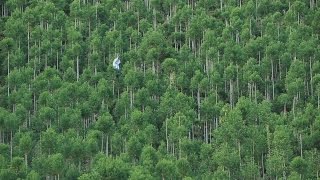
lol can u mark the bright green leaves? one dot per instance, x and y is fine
(55, 163)
(70, 118)
(166, 169)
(227, 157)
(111, 168)
(25, 143)
(105, 123)
(295, 79)
(49, 141)
(33, 175)
(139, 173)
(299, 165)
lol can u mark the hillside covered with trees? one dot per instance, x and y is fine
(207, 89)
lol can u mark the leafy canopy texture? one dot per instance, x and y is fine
(159, 89)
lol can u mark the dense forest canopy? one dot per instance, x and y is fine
(207, 89)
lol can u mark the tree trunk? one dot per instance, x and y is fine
(255, 93)
(239, 147)
(250, 27)
(249, 91)
(154, 19)
(311, 78)
(204, 132)
(57, 60)
(102, 143)
(89, 27)
(11, 149)
(318, 100)
(301, 145)
(280, 72)
(8, 72)
(110, 146)
(207, 141)
(26, 160)
(77, 68)
(153, 67)
(28, 43)
(131, 98)
(79, 165)
(173, 149)
(179, 148)
(216, 94)
(107, 146)
(293, 107)
(272, 78)
(231, 93)
(210, 130)
(284, 173)
(192, 130)
(262, 165)
(268, 140)
(167, 135)
(198, 102)
(112, 87)
(238, 89)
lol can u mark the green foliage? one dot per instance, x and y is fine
(33, 176)
(166, 169)
(206, 89)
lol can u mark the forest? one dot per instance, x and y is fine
(206, 89)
